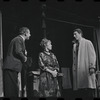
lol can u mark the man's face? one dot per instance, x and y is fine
(28, 35)
(77, 35)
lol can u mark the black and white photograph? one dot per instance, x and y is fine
(50, 49)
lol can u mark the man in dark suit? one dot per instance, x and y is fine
(15, 58)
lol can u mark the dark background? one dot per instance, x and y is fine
(17, 13)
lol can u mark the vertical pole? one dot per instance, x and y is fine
(98, 41)
(1, 58)
(43, 20)
(97, 35)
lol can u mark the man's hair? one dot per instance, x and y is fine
(79, 31)
(23, 30)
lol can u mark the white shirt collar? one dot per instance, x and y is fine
(22, 38)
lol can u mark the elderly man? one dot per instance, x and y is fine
(84, 60)
(15, 58)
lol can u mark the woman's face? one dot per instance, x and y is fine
(49, 46)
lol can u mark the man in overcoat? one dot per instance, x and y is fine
(84, 65)
(16, 56)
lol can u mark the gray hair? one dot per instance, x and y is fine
(23, 30)
(44, 42)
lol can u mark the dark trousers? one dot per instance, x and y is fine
(23, 80)
(10, 83)
(85, 94)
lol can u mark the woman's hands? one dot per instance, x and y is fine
(54, 73)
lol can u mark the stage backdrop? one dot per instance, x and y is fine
(59, 26)
(1, 57)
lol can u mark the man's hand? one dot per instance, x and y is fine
(25, 52)
(91, 71)
(25, 59)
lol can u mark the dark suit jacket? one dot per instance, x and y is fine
(16, 55)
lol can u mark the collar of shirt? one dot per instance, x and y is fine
(22, 38)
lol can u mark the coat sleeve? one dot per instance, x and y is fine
(56, 62)
(19, 50)
(91, 55)
(41, 62)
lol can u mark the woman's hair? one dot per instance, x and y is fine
(79, 31)
(23, 30)
(44, 42)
